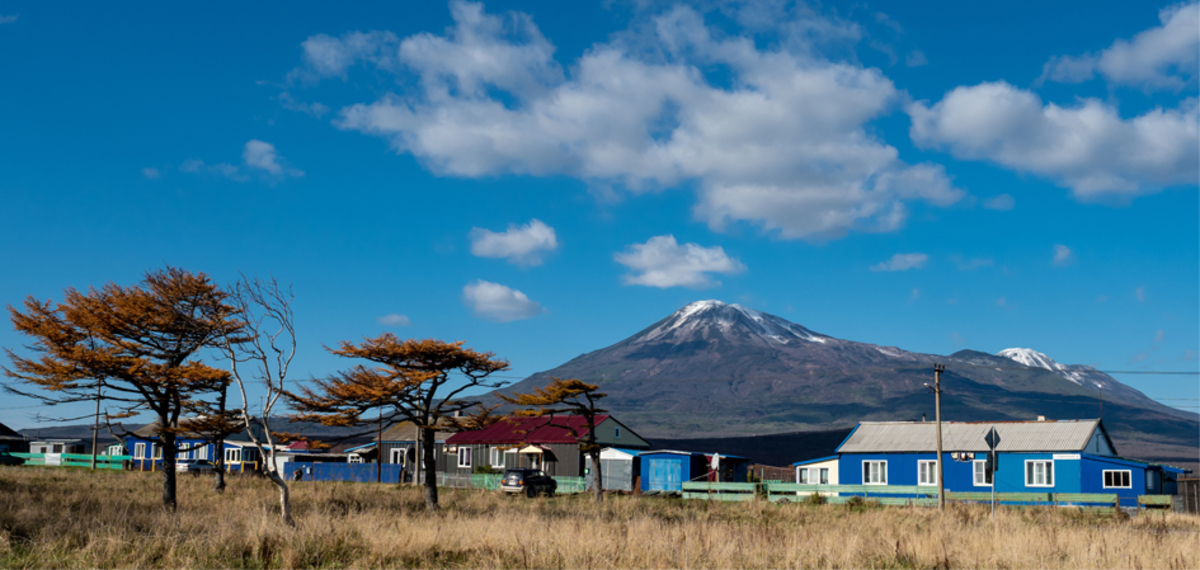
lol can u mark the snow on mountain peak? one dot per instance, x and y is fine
(723, 316)
(1034, 359)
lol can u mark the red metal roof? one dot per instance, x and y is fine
(547, 429)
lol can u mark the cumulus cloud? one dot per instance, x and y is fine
(1088, 148)
(784, 145)
(151, 173)
(394, 320)
(1163, 57)
(902, 262)
(1002, 202)
(258, 158)
(661, 262)
(523, 245)
(498, 303)
(1063, 255)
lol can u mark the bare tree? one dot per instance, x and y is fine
(263, 359)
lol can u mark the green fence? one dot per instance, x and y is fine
(709, 491)
(73, 460)
(491, 482)
(909, 495)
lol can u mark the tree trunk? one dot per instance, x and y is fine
(169, 448)
(219, 464)
(285, 501)
(430, 466)
(597, 479)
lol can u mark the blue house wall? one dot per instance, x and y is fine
(668, 471)
(148, 461)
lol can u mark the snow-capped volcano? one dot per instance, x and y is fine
(1082, 375)
(711, 319)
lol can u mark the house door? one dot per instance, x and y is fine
(665, 475)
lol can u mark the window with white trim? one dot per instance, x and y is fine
(874, 472)
(983, 477)
(464, 456)
(824, 480)
(233, 455)
(202, 453)
(157, 451)
(1118, 479)
(802, 476)
(397, 455)
(927, 472)
(139, 450)
(1039, 473)
(497, 458)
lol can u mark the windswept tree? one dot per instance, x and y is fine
(421, 381)
(143, 341)
(567, 397)
(263, 361)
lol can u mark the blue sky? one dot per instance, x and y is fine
(543, 181)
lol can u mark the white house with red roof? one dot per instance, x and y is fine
(549, 443)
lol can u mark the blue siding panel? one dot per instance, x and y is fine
(357, 472)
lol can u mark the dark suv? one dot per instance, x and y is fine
(528, 481)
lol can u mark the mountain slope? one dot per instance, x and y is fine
(713, 369)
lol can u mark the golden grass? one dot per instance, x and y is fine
(67, 518)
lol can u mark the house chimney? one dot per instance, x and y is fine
(1041, 418)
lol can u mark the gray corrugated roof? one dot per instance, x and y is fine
(915, 437)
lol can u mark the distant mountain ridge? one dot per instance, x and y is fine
(713, 369)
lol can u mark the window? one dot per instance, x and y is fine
(139, 450)
(464, 457)
(233, 455)
(497, 458)
(157, 451)
(511, 458)
(1117, 480)
(874, 472)
(202, 453)
(824, 476)
(927, 472)
(983, 478)
(355, 458)
(617, 433)
(802, 476)
(58, 448)
(1039, 473)
(397, 455)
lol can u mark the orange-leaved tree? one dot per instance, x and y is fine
(142, 340)
(567, 397)
(421, 381)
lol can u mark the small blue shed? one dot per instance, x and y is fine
(667, 470)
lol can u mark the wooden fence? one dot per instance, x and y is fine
(908, 495)
(1189, 496)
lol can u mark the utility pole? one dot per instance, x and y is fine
(379, 450)
(1101, 387)
(937, 394)
(96, 424)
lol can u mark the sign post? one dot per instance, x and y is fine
(993, 440)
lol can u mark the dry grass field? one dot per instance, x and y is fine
(67, 518)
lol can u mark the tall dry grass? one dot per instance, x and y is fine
(60, 518)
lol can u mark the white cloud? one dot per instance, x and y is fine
(1088, 148)
(902, 262)
(785, 146)
(522, 245)
(1163, 57)
(498, 303)
(1063, 255)
(965, 264)
(1002, 202)
(326, 56)
(661, 262)
(394, 320)
(9, 19)
(257, 157)
(151, 173)
(916, 59)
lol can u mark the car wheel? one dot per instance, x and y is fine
(550, 492)
(530, 492)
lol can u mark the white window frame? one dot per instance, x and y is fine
(464, 456)
(202, 452)
(978, 468)
(926, 467)
(1128, 476)
(823, 476)
(233, 455)
(354, 458)
(157, 450)
(497, 457)
(1031, 473)
(880, 469)
(139, 450)
(802, 476)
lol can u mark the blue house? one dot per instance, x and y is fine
(240, 454)
(1046, 456)
(667, 470)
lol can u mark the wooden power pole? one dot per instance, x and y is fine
(937, 394)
